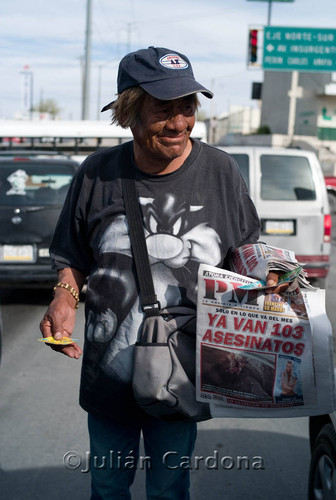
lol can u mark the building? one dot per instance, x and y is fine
(238, 120)
(316, 97)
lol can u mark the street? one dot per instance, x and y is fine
(44, 441)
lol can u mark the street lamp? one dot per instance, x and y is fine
(28, 90)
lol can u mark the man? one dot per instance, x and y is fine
(195, 209)
(288, 380)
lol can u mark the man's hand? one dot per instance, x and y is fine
(272, 279)
(59, 322)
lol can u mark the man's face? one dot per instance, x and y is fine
(164, 127)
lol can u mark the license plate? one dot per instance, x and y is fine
(17, 253)
(279, 227)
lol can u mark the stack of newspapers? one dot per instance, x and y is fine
(257, 260)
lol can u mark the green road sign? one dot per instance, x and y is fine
(302, 49)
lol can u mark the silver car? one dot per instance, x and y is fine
(290, 195)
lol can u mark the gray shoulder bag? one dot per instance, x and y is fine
(164, 359)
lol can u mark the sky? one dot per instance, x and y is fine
(47, 39)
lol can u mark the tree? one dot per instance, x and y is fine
(263, 130)
(48, 106)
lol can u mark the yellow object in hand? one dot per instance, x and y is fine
(62, 341)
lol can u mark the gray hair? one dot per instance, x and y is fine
(126, 108)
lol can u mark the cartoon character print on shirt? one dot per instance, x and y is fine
(177, 242)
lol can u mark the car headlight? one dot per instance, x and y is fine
(43, 252)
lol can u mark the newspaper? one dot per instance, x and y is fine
(259, 259)
(262, 354)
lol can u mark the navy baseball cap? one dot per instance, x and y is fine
(162, 73)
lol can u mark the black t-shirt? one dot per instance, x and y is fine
(194, 215)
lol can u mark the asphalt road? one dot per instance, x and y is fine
(41, 423)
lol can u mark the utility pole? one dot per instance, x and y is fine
(269, 12)
(129, 36)
(295, 91)
(270, 7)
(87, 64)
(100, 67)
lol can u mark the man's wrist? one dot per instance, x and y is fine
(70, 289)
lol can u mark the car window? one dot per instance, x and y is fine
(28, 183)
(286, 178)
(243, 164)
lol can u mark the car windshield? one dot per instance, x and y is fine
(29, 183)
(243, 164)
(286, 178)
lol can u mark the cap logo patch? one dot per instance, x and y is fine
(173, 61)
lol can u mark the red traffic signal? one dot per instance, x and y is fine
(253, 45)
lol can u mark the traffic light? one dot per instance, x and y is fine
(256, 90)
(253, 46)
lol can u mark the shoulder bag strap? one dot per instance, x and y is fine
(150, 304)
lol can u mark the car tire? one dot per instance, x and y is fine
(322, 473)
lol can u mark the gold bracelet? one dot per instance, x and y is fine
(70, 289)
